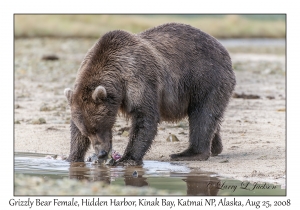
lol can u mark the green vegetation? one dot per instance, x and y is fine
(93, 26)
(35, 185)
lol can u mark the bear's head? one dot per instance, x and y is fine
(93, 111)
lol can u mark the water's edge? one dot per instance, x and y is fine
(174, 178)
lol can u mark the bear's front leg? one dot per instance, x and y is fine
(142, 133)
(78, 146)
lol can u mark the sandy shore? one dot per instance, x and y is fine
(253, 130)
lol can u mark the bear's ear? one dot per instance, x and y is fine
(99, 93)
(68, 93)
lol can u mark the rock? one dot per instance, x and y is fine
(172, 138)
(93, 158)
(124, 129)
(50, 57)
(45, 108)
(17, 106)
(281, 110)
(61, 157)
(38, 121)
(52, 157)
(264, 157)
(110, 162)
(135, 174)
(256, 174)
(51, 128)
(245, 96)
(182, 124)
(125, 134)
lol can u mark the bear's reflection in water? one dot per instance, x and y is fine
(201, 184)
(197, 182)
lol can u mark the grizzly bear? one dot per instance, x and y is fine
(165, 73)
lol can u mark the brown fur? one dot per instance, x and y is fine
(163, 74)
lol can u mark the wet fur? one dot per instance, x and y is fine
(163, 74)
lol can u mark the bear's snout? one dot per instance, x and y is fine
(102, 154)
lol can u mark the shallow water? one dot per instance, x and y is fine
(159, 175)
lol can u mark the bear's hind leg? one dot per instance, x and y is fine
(216, 144)
(200, 138)
(205, 114)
